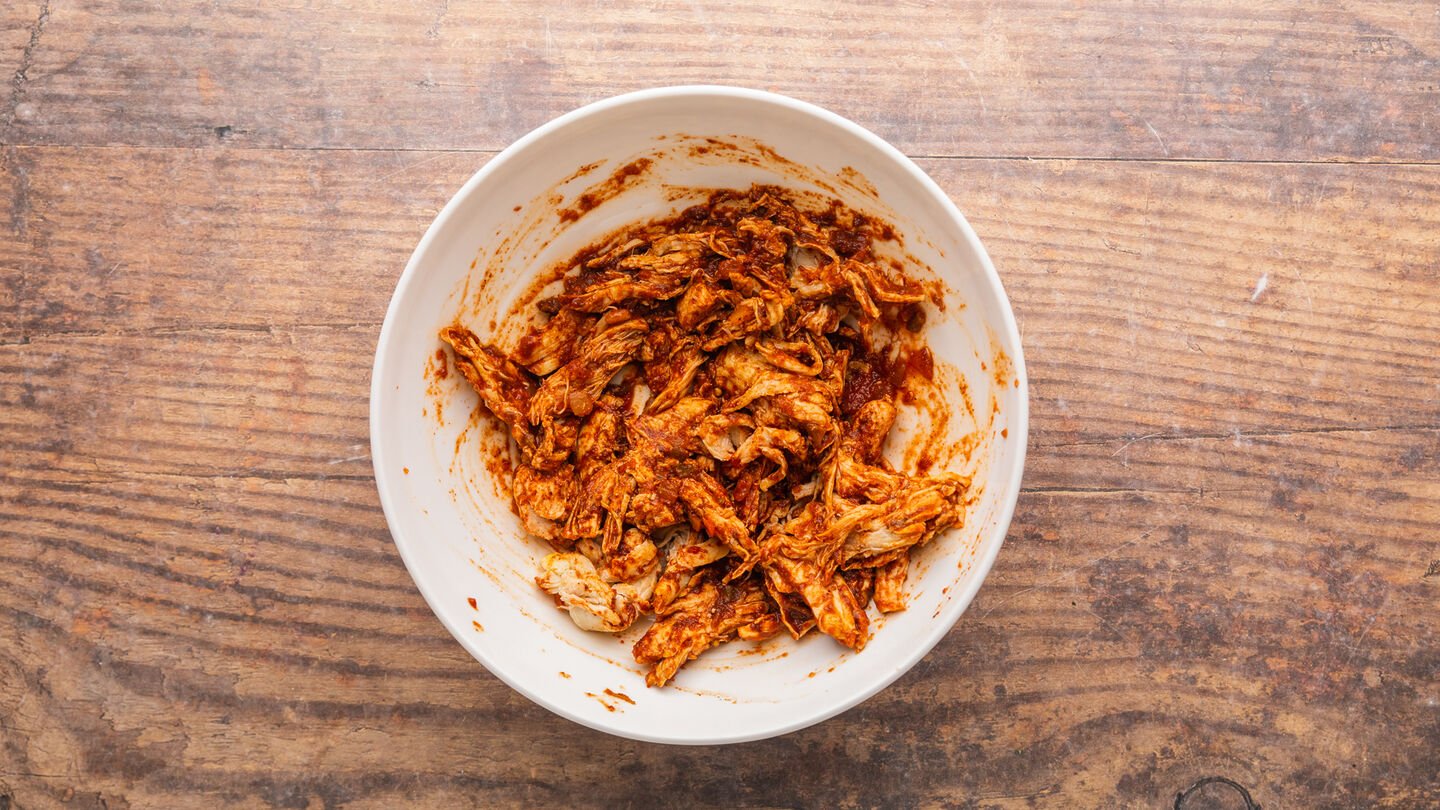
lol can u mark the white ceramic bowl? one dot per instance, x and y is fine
(450, 517)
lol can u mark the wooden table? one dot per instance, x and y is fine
(1219, 224)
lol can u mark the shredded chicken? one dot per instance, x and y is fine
(699, 426)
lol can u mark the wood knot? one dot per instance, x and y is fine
(1215, 792)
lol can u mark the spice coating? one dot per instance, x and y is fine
(700, 421)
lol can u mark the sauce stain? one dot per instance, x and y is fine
(437, 370)
(1004, 369)
(623, 178)
(582, 171)
(620, 696)
(853, 178)
(601, 701)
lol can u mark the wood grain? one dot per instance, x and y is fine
(1225, 561)
(1128, 643)
(1220, 80)
(197, 574)
(1133, 280)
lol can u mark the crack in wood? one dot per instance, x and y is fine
(248, 474)
(1057, 490)
(937, 157)
(22, 73)
(1241, 434)
(433, 32)
(146, 331)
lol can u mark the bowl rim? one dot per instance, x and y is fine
(1019, 426)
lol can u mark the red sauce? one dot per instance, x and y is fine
(877, 377)
(848, 243)
(914, 317)
(473, 605)
(921, 363)
(869, 379)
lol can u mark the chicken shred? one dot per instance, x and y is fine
(699, 426)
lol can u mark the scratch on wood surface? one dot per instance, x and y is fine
(974, 82)
(414, 165)
(1112, 246)
(1374, 616)
(364, 455)
(1146, 437)
(1260, 285)
(1068, 573)
(348, 458)
(1109, 625)
(1158, 139)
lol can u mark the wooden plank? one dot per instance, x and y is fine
(21, 26)
(179, 643)
(1177, 299)
(1154, 298)
(194, 557)
(162, 238)
(1224, 562)
(1225, 79)
(223, 402)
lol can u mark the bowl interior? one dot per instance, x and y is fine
(644, 156)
